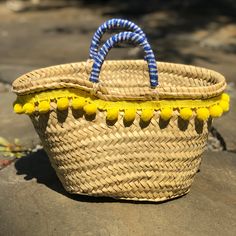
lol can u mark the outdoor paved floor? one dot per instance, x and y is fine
(33, 202)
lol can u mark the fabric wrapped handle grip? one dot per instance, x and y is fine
(128, 37)
(112, 24)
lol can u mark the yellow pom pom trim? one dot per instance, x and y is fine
(62, 104)
(28, 108)
(130, 114)
(146, 115)
(225, 97)
(186, 113)
(81, 99)
(224, 105)
(44, 106)
(90, 109)
(203, 114)
(18, 108)
(166, 113)
(112, 114)
(78, 103)
(216, 111)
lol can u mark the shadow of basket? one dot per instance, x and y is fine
(37, 166)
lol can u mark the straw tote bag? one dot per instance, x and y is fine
(122, 128)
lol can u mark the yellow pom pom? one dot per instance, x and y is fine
(112, 114)
(216, 111)
(18, 108)
(225, 97)
(62, 104)
(166, 113)
(90, 109)
(146, 115)
(186, 113)
(130, 114)
(28, 108)
(44, 106)
(203, 114)
(224, 105)
(78, 103)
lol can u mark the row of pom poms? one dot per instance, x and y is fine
(112, 114)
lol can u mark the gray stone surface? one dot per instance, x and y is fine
(33, 202)
(15, 126)
(8, 73)
(226, 125)
(46, 38)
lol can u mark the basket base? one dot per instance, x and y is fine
(134, 199)
(155, 200)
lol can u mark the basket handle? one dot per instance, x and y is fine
(121, 37)
(112, 24)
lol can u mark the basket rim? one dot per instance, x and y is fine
(76, 75)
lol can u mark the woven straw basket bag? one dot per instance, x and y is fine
(123, 128)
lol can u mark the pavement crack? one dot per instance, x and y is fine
(216, 141)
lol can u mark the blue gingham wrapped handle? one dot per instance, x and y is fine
(126, 37)
(112, 24)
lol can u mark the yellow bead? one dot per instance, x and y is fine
(216, 111)
(28, 108)
(186, 113)
(62, 104)
(44, 106)
(18, 108)
(112, 114)
(225, 97)
(78, 103)
(224, 105)
(90, 109)
(130, 114)
(203, 114)
(146, 115)
(166, 113)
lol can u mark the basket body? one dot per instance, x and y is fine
(152, 161)
(140, 162)
(124, 129)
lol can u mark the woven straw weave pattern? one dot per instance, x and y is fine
(126, 80)
(147, 158)
(137, 161)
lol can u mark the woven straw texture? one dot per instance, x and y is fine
(138, 161)
(126, 80)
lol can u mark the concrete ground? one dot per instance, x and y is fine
(33, 202)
